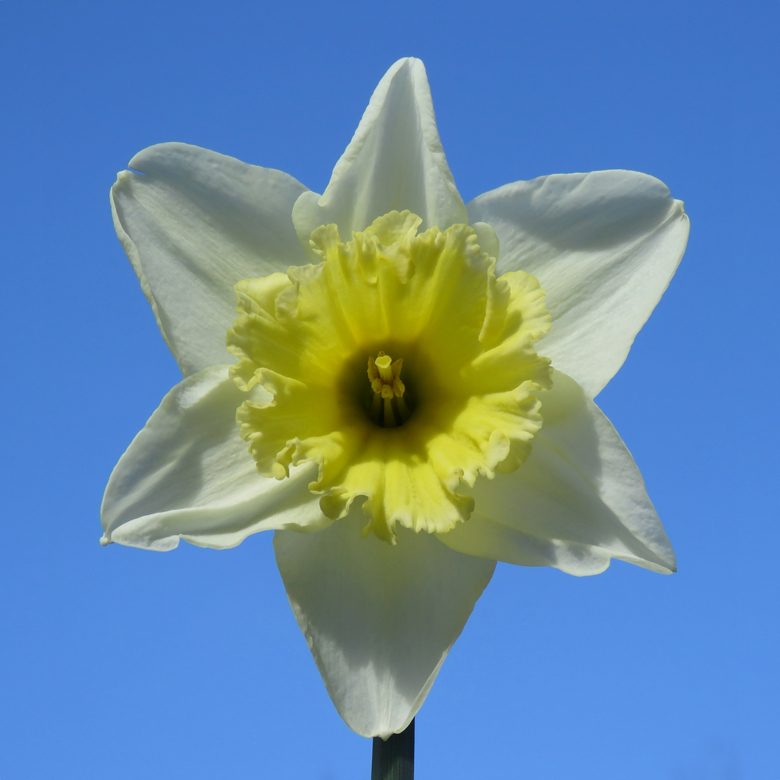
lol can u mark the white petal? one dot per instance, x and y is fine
(379, 619)
(188, 474)
(577, 501)
(604, 246)
(395, 161)
(193, 225)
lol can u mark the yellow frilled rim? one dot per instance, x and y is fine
(390, 298)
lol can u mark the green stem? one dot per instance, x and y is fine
(394, 759)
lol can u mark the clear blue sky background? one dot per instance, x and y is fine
(118, 664)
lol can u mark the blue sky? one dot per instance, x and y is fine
(117, 663)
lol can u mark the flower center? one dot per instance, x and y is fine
(388, 407)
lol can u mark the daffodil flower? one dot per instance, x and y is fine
(406, 396)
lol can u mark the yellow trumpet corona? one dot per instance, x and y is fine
(468, 404)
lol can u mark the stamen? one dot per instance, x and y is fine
(376, 406)
(387, 403)
(389, 417)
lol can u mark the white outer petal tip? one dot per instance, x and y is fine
(188, 475)
(395, 161)
(603, 245)
(578, 501)
(193, 223)
(379, 619)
